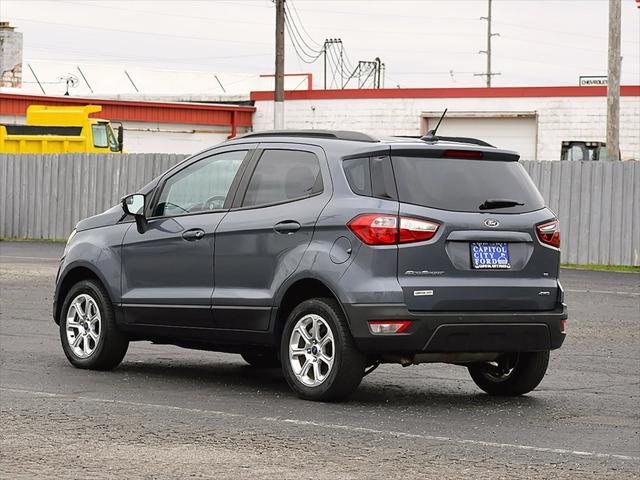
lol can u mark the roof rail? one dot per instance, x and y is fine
(330, 134)
(473, 141)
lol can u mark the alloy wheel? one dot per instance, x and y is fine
(311, 350)
(83, 325)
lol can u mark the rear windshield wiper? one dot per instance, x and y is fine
(492, 203)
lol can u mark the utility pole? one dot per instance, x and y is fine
(324, 50)
(278, 105)
(488, 74)
(613, 82)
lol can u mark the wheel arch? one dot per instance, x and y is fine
(72, 275)
(297, 291)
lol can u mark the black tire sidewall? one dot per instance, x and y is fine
(526, 376)
(327, 389)
(107, 325)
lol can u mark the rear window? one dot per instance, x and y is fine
(463, 185)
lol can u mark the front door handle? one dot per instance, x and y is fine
(287, 227)
(193, 234)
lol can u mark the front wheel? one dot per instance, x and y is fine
(88, 332)
(319, 358)
(511, 375)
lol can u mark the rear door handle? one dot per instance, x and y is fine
(287, 227)
(193, 234)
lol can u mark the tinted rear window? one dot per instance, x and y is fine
(463, 185)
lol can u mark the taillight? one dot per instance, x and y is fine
(374, 229)
(414, 230)
(549, 233)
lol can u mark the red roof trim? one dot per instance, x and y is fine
(124, 110)
(495, 92)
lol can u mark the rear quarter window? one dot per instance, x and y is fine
(463, 184)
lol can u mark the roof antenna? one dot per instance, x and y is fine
(431, 134)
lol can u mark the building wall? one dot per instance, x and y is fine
(144, 137)
(558, 118)
(10, 56)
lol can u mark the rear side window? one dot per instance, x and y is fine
(358, 175)
(463, 185)
(371, 177)
(282, 176)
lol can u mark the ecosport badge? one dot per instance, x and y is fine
(491, 222)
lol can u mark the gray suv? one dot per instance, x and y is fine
(325, 253)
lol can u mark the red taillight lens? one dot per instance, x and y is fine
(375, 229)
(415, 230)
(549, 233)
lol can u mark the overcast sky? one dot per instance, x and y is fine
(424, 43)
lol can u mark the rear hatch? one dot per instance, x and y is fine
(486, 254)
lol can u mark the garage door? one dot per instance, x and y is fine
(514, 133)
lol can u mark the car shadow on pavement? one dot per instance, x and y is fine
(232, 376)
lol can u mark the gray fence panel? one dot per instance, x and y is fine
(44, 196)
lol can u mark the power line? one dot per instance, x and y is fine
(301, 41)
(137, 32)
(295, 11)
(298, 48)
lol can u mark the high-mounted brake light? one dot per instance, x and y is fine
(381, 327)
(549, 233)
(471, 154)
(375, 229)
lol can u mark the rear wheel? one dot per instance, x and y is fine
(89, 336)
(262, 360)
(511, 375)
(319, 358)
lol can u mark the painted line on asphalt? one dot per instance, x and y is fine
(331, 426)
(52, 259)
(605, 292)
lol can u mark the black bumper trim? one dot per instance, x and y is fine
(457, 331)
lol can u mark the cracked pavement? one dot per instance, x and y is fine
(168, 412)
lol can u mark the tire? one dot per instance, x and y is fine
(262, 360)
(528, 371)
(99, 345)
(336, 378)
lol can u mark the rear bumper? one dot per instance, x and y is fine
(443, 332)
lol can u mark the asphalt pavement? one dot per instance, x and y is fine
(168, 412)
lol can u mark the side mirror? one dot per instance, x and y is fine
(121, 138)
(135, 205)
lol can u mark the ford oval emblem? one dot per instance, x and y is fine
(491, 222)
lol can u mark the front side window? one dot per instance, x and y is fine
(200, 187)
(282, 176)
(99, 132)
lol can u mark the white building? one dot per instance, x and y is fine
(531, 120)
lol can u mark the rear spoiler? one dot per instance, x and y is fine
(455, 152)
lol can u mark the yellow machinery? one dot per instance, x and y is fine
(61, 130)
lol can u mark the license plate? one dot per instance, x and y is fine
(491, 255)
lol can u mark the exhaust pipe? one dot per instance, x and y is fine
(454, 358)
